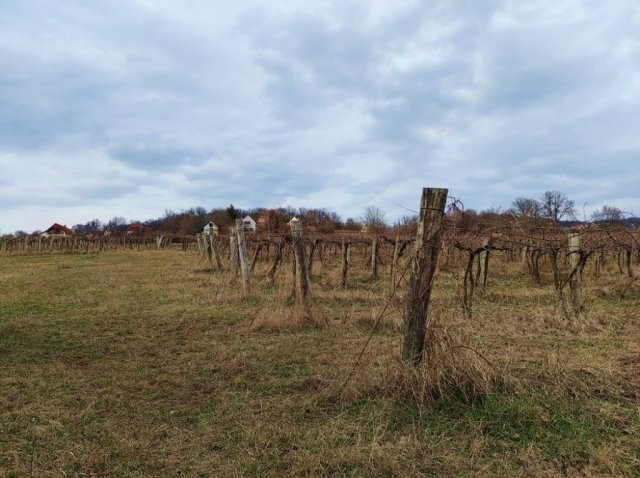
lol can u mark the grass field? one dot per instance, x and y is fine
(147, 364)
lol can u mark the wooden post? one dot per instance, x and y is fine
(213, 244)
(321, 253)
(483, 263)
(575, 286)
(394, 261)
(234, 260)
(303, 297)
(312, 251)
(345, 263)
(374, 258)
(201, 248)
(244, 259)
(423, 268)
(256, 255)
(271, 275)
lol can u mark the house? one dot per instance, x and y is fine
(57, 230)
(249, 224)
(209, 229)
(135, 229)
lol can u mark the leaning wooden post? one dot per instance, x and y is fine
(233, 252)
(423, 267)
(374, 258)
(574, 264)
(303, 297)
(244, 258)
(256, 255)
(213, 244)
(271, 275)
(345, 263)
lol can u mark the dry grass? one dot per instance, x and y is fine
(147, 364)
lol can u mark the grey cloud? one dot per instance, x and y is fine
(155, 158)
(524, 96)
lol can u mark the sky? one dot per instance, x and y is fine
(130, 108)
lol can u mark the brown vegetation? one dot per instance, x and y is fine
(147, 364)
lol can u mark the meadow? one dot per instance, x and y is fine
(148, 363)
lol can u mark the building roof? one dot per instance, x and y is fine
(59, 229)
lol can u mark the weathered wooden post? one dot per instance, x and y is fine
(312, 251)
(256, 256)
(575, 286)
(483, 264)
(394, 261)
(234, 260)
(271, 275)
(423, 266)
(374, 258)
(213, 244)
(201, 245)
(244, 259)
(321, 253)
(303, 297)
(345, 263)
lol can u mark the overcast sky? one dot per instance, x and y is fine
(132, 107)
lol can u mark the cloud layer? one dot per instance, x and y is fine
(131, 107)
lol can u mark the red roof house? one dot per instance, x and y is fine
(136, 229)
(58, 230)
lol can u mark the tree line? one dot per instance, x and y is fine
(552, 205)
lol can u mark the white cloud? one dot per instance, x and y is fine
(130, 108)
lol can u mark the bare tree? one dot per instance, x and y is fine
(525, 207)
(555, 205)
(373, 219)
(607, 214)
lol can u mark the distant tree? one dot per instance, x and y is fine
(374, 219)
(116, 223)
(323, 220)
(233, 213)
(406, 224)
(352, 224)
(86, 228)
(169, 223)
(20, 233)
(287, 212)
(220, 218)
(154, 224)
(607, 214)
(525, 207)
(188, 224)
(466, 219)
(555, 205)
(490, 211)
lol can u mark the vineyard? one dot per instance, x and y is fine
(542, 249)
(302, 354)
